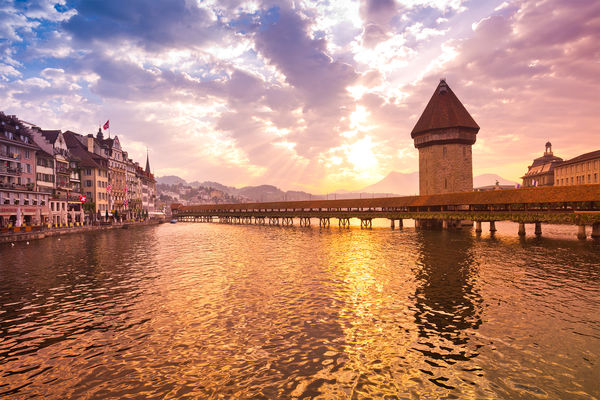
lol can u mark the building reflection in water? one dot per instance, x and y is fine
(447, 305)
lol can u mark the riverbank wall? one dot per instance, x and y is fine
(41, 234)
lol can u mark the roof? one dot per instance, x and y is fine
(444, 110)
(546, 159)
(584, 157)
(534, 195)
(78, 150)
(50, 135)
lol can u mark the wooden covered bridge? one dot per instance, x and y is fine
(574, 205)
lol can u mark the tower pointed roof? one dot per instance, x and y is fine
(147, 163)
(444, 110)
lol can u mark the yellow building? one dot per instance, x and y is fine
(94, 171)
(581, 170)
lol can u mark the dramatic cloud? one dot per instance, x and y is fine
(315, 95)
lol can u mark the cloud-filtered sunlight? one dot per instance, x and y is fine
(311, 95)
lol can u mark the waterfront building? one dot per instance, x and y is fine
(133, 188)
(148, 188)
(65, 201)
(111, 149)
(541, 171)
(581, 170)
(44, 171)
(20, 201)
(444, 135)
(94, 172)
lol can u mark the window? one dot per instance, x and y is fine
(88, 183)
(589, 178)
(596, 178)
(27, 154)
(88, 171)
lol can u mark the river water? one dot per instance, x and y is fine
(224, 311)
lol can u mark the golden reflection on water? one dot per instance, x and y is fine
(220, 311)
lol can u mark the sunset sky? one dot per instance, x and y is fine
(309, 95)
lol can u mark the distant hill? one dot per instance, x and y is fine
(396, 183)
(170, 180)
(408, 183)
(490, 179)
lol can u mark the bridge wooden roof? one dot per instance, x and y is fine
(549, 194)
(444, 110)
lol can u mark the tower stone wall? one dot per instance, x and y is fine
(444, 135)
(445, 168)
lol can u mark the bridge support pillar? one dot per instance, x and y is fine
(445, 224)
(538, 229)
(521, 229)
(287, 221)
(478, 227)
(581, 234)
(273, 221)
(344, 222)
(366, 223)
(304, 221)
(400, 224)
(392, 224)
(492, 227)
(324, 222)
(596, 231)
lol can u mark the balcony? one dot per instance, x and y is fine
(9, 156)
(62, 169)
(16, 186)
(10, 171)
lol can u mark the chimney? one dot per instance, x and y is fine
(90, 143)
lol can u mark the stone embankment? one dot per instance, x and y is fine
(23, 235)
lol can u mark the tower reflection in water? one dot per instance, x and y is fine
(447, 308)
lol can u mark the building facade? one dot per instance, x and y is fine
(541, 171)
(444, 135)
(20, 201)
(581, 170)
(111, 149)
(94, 174)
(65, 202)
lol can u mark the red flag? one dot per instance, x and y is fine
(105, 127)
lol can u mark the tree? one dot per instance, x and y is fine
(90, 208)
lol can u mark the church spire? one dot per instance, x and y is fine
(147, 162)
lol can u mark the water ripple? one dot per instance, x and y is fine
(220, 311)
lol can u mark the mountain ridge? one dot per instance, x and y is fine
(395, 183)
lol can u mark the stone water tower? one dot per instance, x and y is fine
(444, 135)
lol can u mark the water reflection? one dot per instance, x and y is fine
(210, 311)
(448, 305)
